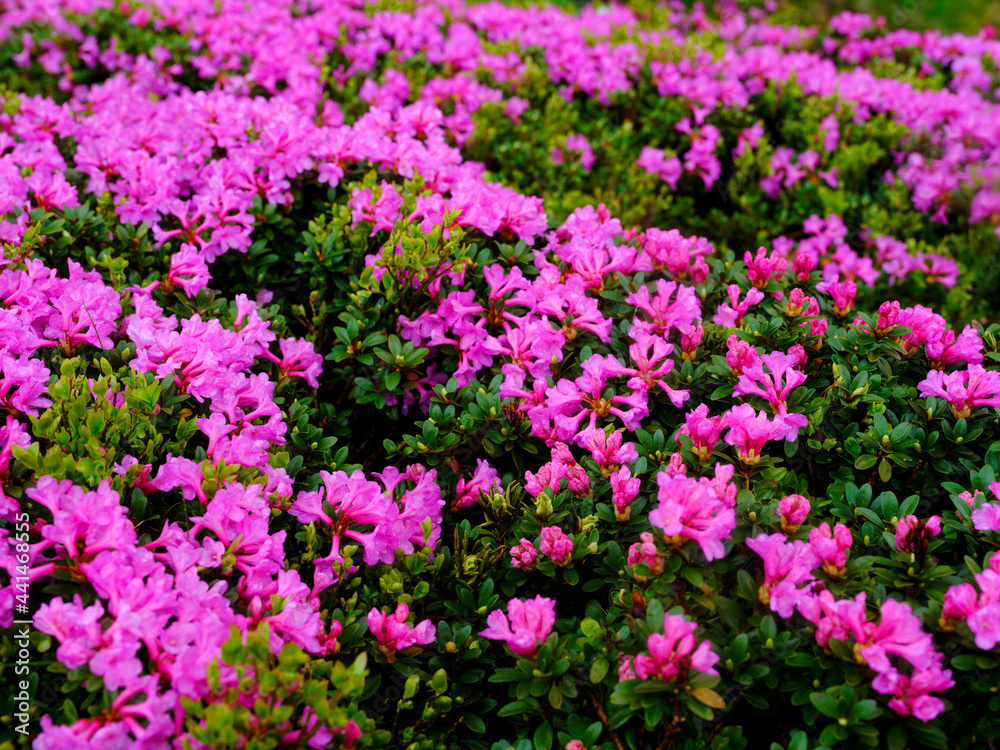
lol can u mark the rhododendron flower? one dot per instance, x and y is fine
(731, 315)
(981, 612)
(23, 384)
(966, 347)
(358, 501)
(530, 623)
(775, 383)
(703, 430)
(692, 509)
(674, 653)
(556, 545)
(13, 433)
(650, 354)
(843, 293)
(680, 313)
(911, 693)
(645, 552)
(749, 430)
(383, 212)
(888, 318)
(569, 402)
(655, 162)
(483, 481)
(524, 555)
(964, 389)
(898, 631)
(986, 517)
(609, 450)
(787, 565)
(83, 523)
(831, 547)
(188, 270)
(690, 343)
(299, 359)
(793, 510)
(624, 489)
(798, 354)
(914, 534)
(762, 267)
(740, 354)
(626, 668)
(393, 634)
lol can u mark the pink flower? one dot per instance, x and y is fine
(530, 623)
(645, 552)
(673, 654)
(668, 169)
(740, 354)
(731, 315)
(980, 611)
(831, 547)
(188, 270)
(762, 267)
(524, 555)
(483, 481)
(651, 354)
(624, 489)
(964, 389)
(966, 347)
(24, 384)
(609, 450)
(914, 534)
(843, 293)
(888, 318)
(299, 359)
(797, 302)
(793, 510)
(911, 694)
(749, 430)
(703, 430)
(556, 545)
(382, 213)
(679, 313)
(357, 502)
(774, 384)
(569, 402)
(984, 518)
(787, 565)
(690, 343)
(626, 668)
(693, 509)
(393, 634)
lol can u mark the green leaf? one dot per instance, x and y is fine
(965, 662)
(543, 737)
(824, 704)
(655, 615)
(709, 697)
(598, 669)
(896, 737)
(865, 462)
(474, 723)
(517, 707)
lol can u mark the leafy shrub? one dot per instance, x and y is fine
(444, 375)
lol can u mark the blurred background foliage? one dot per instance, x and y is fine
(949, 16)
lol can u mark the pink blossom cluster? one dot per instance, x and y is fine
(530, 623)
(672, 654)
(980, 611)
(790, 585)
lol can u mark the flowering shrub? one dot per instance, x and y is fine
(442, 374)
